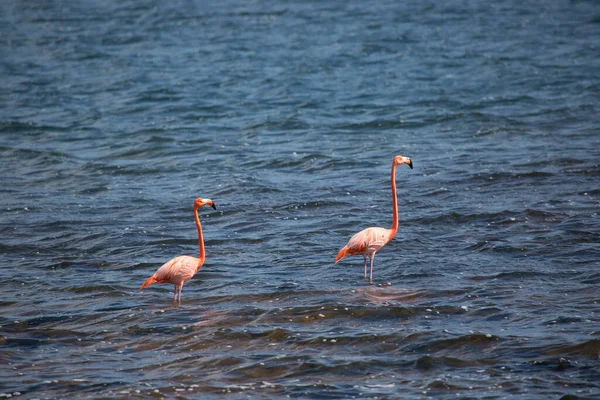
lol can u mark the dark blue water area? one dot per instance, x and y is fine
(115, 116)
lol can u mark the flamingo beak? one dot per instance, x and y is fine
(410, 163)
(212, 204)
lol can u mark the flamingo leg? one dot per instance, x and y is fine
(365, 258)
(175, 294)
(179, 292)
(372, 259)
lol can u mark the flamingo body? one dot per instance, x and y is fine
(181, 269)
(176, 271)
(368, 241)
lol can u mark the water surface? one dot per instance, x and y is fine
(114, 117)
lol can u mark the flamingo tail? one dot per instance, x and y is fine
(148, 282)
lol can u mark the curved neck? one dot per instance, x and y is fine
(394, 202)
(200, 239)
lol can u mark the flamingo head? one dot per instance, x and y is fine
(398, 160)
(200, 202)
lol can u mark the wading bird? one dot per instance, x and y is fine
(182, 268)
(368, 241)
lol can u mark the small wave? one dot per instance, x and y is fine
(103, 289)
(564, 320)
(543, 215)
(456, 217)
(512, 275)
(495, 247)
(497, 178)
(16, 126)
(429, 362)
(557, 364)
(290, 123)
(592, 279)
(472, 343)
(438, 385)
(311, 205)
(592, 170)
(562, 161)
(13, 342)
(378, 124)
(590, 348)
(261, 13)
(486, 312)
(37, 157)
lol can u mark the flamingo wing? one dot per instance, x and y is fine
(179, 269)
(366, 241)
(175, 271)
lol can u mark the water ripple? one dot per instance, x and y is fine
(115, 116)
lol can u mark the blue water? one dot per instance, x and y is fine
(115, 116)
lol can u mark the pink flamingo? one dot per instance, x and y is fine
(368, 241)
(182, 268)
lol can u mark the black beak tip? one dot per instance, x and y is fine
(410, 164)
(213, 206)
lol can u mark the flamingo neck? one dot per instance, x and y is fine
(200, 239)
(394, 228)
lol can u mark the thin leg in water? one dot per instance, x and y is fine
(365, 257)
(372, 259)
(179, 292)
